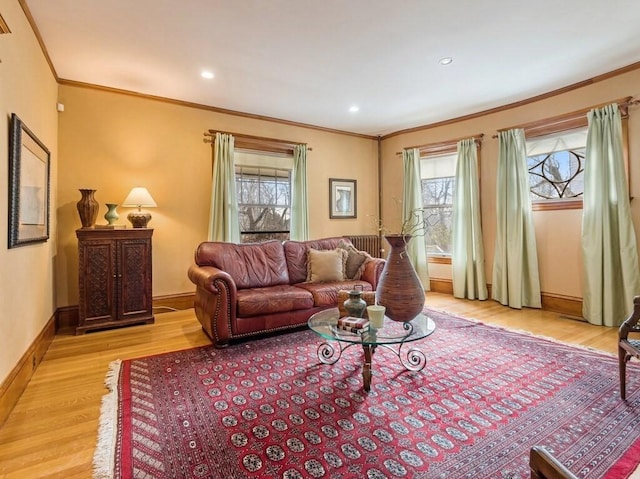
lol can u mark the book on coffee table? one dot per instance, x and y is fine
(352, 324)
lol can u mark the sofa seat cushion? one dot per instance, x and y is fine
(326, 294)
(272, 299)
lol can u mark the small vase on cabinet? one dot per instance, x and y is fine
(87, 208)
(399, 288)
(111, 215)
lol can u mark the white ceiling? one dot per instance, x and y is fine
(308, 61)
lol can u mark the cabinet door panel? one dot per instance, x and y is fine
(97, 260)
(135, 278)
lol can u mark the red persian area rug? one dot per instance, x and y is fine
(269, 408)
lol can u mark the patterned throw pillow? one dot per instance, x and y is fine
(326, 265)
(356, 260)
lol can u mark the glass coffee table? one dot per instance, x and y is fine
(393, 336)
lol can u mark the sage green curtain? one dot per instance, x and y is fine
(412, 212)
(299, 228)
(467, 248)
(223, 220)
(516, 281)
(609, 250)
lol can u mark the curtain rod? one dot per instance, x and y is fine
(623, 103)
(444, 144)
(210, 134)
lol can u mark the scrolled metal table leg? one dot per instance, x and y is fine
(416, 360)
(327, 354)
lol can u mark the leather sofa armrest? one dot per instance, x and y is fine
(215, 302)
(372, 271)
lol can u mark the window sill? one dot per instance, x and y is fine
(556, 205)
(439, 259)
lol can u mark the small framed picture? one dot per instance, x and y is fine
(29, 164)
(343, 198)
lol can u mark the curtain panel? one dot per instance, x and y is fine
(299, 228)
(223, 218)
(609, 247)
(411, 206)
(467, 251)
(516, 280)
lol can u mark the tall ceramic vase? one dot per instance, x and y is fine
(399, 288)
(88, 208)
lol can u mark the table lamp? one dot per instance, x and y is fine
(137, 198)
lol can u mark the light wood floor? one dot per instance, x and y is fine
(52, 430)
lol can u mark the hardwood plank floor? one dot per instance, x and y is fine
(52, 431)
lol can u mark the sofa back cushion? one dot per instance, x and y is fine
(326, 265)
(296, 253)
(252, 265)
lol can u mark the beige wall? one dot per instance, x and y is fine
(111, 142)
(28, 89)
(557, 232)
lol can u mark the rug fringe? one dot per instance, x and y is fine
(103, 457)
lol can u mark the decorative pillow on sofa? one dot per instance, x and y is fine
(326, 265)
(356, 260)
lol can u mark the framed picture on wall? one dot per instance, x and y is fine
(29, 165)
(343, 198)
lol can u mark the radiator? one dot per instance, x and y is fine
(369, 243)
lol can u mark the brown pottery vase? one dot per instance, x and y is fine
(399, 288)
(88, 208)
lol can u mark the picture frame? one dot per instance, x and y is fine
(343, 198)
(29, 186)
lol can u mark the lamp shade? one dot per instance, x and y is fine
(139, 196)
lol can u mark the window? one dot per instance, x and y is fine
(263, 188)
(556, 150)
(556, 166)
(438, 182)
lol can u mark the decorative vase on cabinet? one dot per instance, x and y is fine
(399, 288)
(87, 208)
(111, 215)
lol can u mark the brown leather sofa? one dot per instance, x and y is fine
(244, 290)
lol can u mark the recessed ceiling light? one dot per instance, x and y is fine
(206, 74)
(445, 61)
(354, 108)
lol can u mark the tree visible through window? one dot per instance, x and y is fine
(264, 203)
(437, 196)
(557, 175)
(438, 182)
(556, 166)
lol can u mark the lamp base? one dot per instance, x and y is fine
(139, 219)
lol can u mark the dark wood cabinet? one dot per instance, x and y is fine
(115, 287)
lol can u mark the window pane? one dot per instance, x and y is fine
(282, 193)
(264, 201)
(437, 197)
(556, 165)
(263, 218)
(438, 191)
(557, 175)
(438, 235)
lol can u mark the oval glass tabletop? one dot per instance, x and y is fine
(325, 323)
